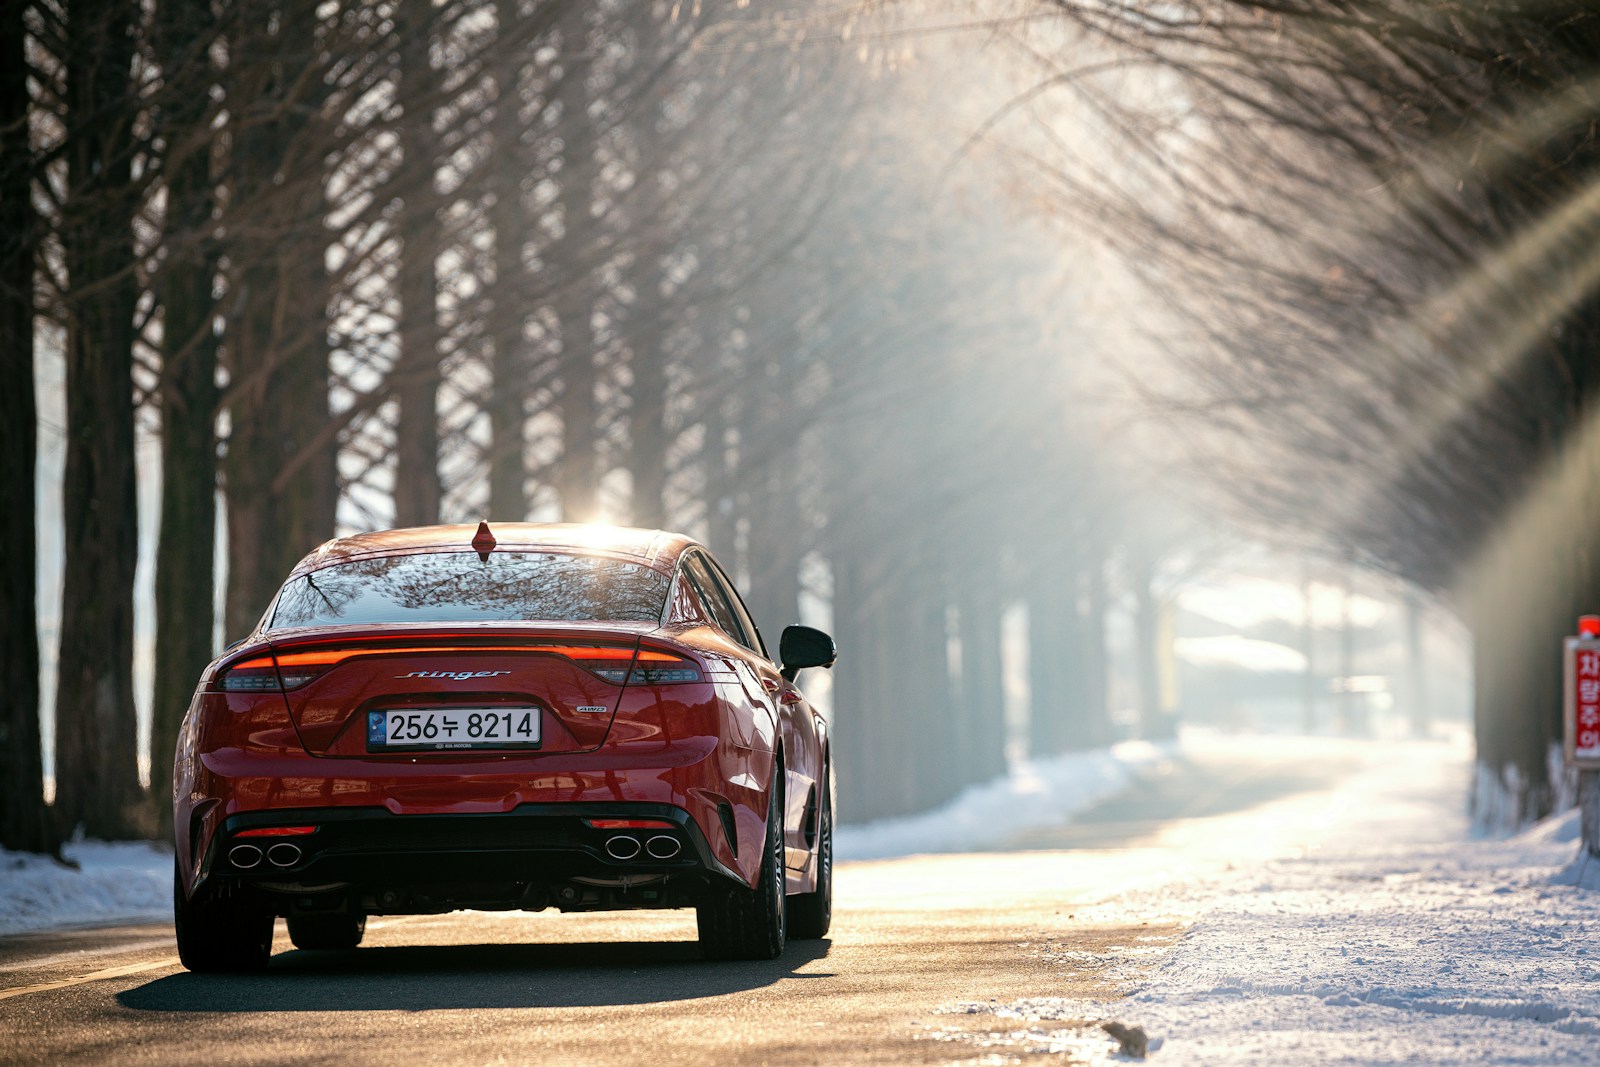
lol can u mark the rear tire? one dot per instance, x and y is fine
(326, 931)
(810, 914)
(220, 933)
(750, 924)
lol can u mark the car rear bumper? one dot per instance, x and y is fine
(537, 855)
(385, 825)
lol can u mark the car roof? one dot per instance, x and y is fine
(658, 549)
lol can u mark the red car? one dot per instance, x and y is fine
(528, 716)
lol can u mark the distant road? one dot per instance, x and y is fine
(1190, 790)
(912, 939)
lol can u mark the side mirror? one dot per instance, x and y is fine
(803, 646)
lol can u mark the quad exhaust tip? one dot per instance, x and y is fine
(244, 857)
(283, 854)
(622, 847)
(659, 847)
(662, 847)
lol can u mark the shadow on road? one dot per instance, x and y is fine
(419, 978)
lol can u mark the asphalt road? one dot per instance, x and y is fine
(912, 939)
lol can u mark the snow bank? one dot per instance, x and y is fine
(1378, 931)
(123, 882)
(1037, 794)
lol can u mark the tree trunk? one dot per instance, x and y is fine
(1066, 661)
(884, 773)
(1096, 655)
(1052, 611)
(1416, 686)
(857, 715)
(186, 552)
(929, 763)
(282, 490)
(417, 488)
(24, 819)
(578, 470)
(1348, 715)
(722, 513)
(1154, 721)
(508, 497)
(97, 778)
(775, 547)
(1589, 813)
(649, 436)
(981, 713)
(1308, 638)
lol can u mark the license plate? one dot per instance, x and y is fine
(452, 729)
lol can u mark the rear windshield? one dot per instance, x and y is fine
(461, 587)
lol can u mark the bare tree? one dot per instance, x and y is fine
(1370, 225)
(279, 469)
(96, 772)
(24, 820)
(183, 33)
(417, 490)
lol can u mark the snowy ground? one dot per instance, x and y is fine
(1037, 794)
(1360, 925)
(130, 881)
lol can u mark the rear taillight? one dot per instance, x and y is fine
(277, 831)
(610, 662)
(657, 666)
(261, 675)
(649, 667)
(298, 668)
(251, 676)
(680, 670)
(631, 824)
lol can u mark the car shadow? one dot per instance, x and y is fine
(424, 978)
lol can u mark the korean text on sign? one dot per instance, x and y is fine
(1588, 711)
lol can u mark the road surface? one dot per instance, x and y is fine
(913, 939)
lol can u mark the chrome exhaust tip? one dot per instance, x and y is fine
(622, 847)
(244, 856)
(284, 854)
(663, 847)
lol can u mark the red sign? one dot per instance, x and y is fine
(1582, 711)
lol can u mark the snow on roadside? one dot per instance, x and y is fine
(1378, 931)
(1037, 794)
(128, 881)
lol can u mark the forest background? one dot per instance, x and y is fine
(909, 350)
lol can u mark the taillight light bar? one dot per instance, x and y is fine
(617, 664)
(631, 824)
(277, 831)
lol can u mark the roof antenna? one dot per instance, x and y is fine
(484, 541)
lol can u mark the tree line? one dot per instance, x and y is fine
(1370, 227)
(390, 262)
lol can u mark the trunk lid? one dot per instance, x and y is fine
(352, 692)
